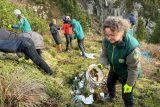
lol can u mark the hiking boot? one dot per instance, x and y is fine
(84, 56)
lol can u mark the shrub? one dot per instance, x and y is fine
(155, 36)
(141, 33)
(7, 16)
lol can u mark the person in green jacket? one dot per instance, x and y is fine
(79, 35)
(132, 19)
(121, 51)
(22, 24)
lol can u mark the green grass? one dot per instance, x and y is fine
(66, 65)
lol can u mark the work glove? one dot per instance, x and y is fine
(9, 26)
(127, 88)
(100, 66)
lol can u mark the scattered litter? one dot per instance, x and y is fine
(89, 55)
(86, 86)
(87, 100)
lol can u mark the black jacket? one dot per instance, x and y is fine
(12, 46)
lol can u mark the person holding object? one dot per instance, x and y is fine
(55, 34)
(121, 50)
(22, 24)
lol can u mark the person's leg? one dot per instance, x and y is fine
(83, 44)
(27, 47)
(111, 82)
(26, 57)
(67, 42)
(39, 52)
(80, 45)
(70, 36)
(127, 97)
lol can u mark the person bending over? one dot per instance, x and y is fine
(26, 46)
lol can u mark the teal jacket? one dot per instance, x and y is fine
(77, 28)
(123, 58)
(23, 24)
(131, 31)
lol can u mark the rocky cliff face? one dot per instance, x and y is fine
(104, 8)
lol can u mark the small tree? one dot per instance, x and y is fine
(155, 37)
(141, 33)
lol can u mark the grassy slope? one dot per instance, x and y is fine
(67, 64)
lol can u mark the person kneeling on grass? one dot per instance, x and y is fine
(26, 46)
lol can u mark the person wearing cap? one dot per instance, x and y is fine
(54, 31)
(121, 51)
(79, 35)
(67, 27)
(26, 46)
(132, 19)
(22, 24)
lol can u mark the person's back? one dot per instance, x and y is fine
(10, 46)
(67, 28)
(77, 28)
(7, 35)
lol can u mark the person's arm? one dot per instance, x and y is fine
(53, 30)
(75, 32)
(103, 56)
(134, 66)
(19, 25)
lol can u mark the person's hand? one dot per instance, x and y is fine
(100, 66)
(9, 26)
(127, 88)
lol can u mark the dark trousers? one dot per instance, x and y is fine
(68, 41)
(81, 46)
(28, 48)
(111, 82)
(56, 38)
(38, 51)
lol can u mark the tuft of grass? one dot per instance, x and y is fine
(18, 89)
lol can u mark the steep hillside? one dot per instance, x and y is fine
(23, 84)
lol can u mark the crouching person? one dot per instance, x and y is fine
(26, 46)
(121, 50)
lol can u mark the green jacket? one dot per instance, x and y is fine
(77, 28)
(123, 57)
(23, 24)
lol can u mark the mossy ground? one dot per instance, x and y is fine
(66, 65)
